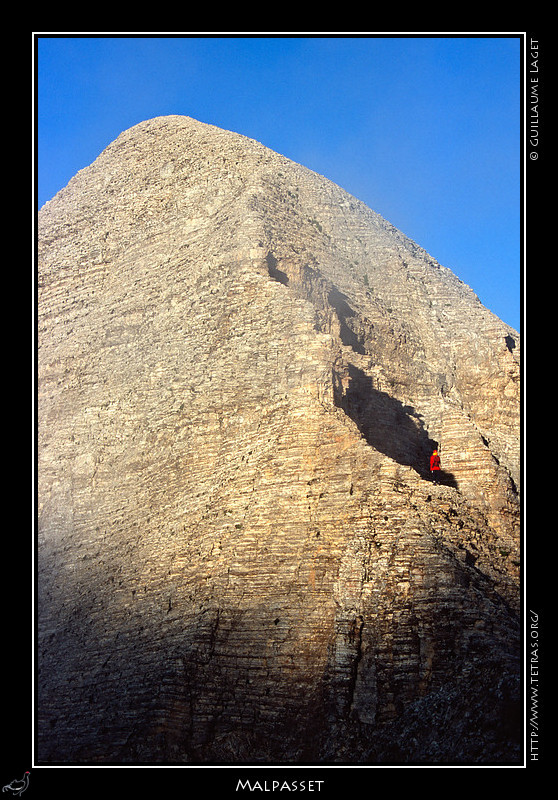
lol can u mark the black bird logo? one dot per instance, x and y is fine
(17, 787)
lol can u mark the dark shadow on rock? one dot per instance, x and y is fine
(344, 313)
(443, 478)
(394, 429)
(510, 343)
(277, 274)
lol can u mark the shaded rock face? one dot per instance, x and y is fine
(242, 372)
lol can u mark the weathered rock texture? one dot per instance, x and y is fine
(242, 371)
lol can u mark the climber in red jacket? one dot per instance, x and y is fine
(435, 466)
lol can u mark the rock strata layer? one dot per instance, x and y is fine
(242, 372)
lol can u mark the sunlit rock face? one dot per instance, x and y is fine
(242, 558)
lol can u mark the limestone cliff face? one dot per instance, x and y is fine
(242, 371)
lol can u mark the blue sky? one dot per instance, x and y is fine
(423, 129)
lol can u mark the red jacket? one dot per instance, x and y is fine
(434, 461)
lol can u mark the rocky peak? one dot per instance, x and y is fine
(243, 371)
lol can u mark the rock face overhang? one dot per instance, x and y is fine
(242, 371)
